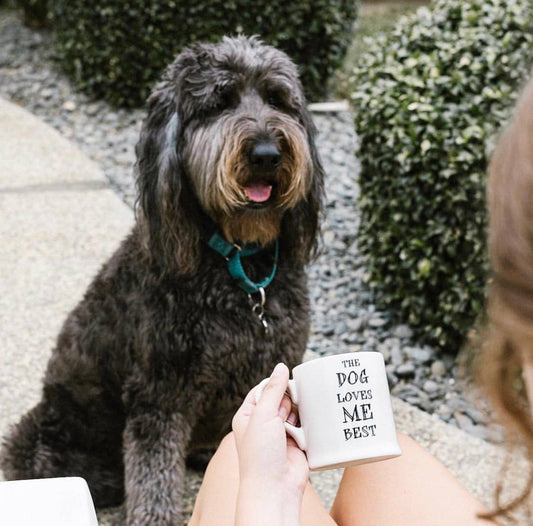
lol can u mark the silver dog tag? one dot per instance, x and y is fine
(259, 311)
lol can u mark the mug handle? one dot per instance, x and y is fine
(295, 432)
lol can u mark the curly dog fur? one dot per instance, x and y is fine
(161, 350)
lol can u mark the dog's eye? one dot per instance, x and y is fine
(275, 99)
(226, 96)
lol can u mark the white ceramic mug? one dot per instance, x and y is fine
(345, 410)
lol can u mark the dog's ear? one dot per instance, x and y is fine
(301, 225)
(168, 230)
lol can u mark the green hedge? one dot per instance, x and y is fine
(429, 100)
(117, 49)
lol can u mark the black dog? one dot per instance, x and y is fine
(202, 299)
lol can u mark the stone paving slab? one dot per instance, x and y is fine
(35, 154)
(59, 221)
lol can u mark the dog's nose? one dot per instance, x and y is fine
(265, 155)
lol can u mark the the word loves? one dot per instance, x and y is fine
(354, 396)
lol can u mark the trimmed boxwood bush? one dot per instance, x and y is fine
(429, 100)
(117, 49)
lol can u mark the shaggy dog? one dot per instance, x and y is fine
(201, 300)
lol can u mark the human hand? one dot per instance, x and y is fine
(273, 470)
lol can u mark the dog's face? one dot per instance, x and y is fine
(244, 148)
(229, 123)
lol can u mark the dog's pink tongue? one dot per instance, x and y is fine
(259, 191)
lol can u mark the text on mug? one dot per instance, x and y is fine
(352, 378)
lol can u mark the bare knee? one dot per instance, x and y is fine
(227, 443)
(218, 492)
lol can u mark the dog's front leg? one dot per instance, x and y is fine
(155, 446)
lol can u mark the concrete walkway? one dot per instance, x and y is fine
(59, 221)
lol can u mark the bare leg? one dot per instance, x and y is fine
(412, 490)
(215, 504)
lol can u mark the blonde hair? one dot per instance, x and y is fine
(508, 337)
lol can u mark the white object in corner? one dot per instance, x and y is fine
(47, 502)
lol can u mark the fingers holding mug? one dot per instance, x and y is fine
(273, 403)
(271, 399)
(286, 409)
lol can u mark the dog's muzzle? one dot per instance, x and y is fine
(265, 158)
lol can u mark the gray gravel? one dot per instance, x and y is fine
(344, 316)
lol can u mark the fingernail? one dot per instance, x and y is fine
(283, 412)
(277, 370)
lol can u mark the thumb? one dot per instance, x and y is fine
(272, 395)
